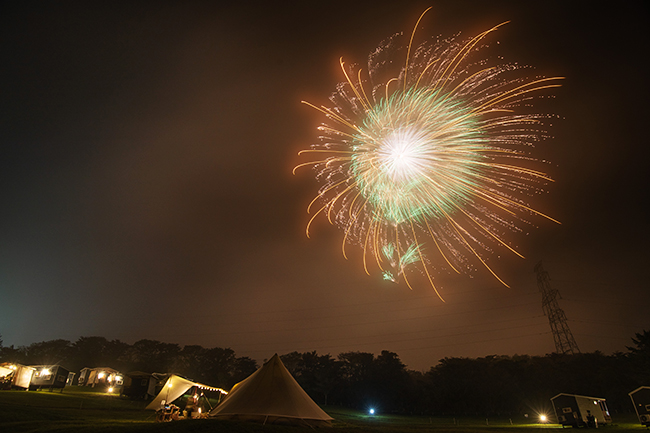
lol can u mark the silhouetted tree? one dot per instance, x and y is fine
(324, 375)
(11, 354)
(317, 374)
(639, 356)
(294, 363)
(97, 352)
(50, 352)
(244, 367)
(356, 370)
(483, 386)
(224, 369)
(193, 363)
(390, 382)
(150, 355)
(454, 384)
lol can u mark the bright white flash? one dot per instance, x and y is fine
(400, 153)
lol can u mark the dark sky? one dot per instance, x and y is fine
(146, 186)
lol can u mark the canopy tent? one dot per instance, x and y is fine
(174, 388)
(271, 395)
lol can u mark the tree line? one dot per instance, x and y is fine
(490, 385)
(214, 366)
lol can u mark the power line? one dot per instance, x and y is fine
(477, 342)
(600, 300)
(607, 323)
(264, 323)
(314, 343)
(347, 325)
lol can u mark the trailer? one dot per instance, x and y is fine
(49, 376)
(641, 402)
(15, 376)
(100, 377)
(580, 411)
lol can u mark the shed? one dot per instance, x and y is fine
(139, 385)
(641, 402)
(574, 410)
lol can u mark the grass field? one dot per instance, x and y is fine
(79, 409)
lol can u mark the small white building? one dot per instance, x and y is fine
(641, 401)
(576, 410)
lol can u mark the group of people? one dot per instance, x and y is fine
(171, 412)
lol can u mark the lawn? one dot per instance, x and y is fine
(79, 409)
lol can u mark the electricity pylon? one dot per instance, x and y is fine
(564, 341)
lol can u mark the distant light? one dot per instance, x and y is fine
(169, 385)
(100, 375)
(110, 389)
(199, 410)
(371, 411)
(543, 418)
(45, 372)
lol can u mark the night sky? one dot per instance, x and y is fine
(146, 188)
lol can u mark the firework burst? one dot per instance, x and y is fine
(428, 166)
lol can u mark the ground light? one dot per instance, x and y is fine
(371, 411)
(543, 418)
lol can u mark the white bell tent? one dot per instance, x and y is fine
(271, 395)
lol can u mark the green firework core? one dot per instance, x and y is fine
(415, 156)
(426, 161)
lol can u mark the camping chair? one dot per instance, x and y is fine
(168, 413)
